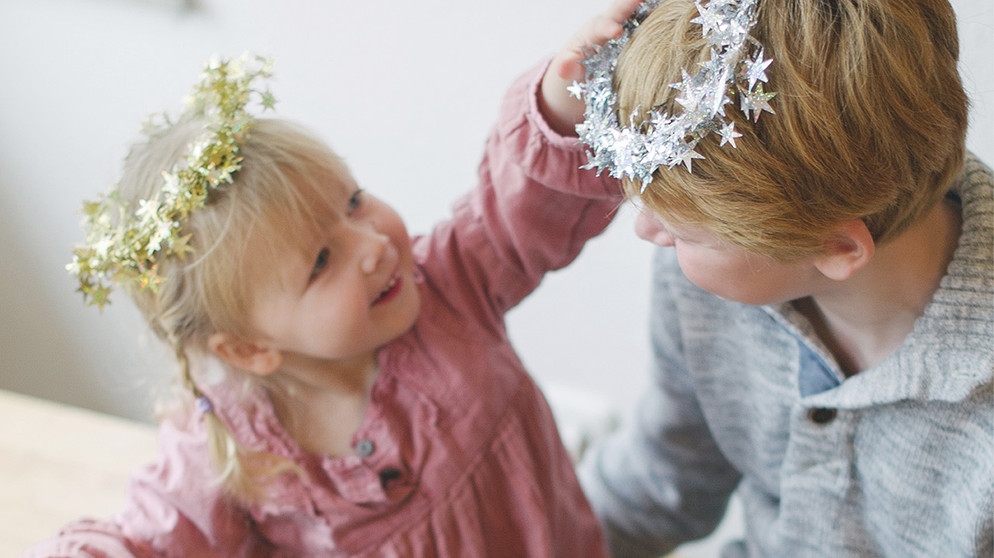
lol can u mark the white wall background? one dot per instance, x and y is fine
(406, 91)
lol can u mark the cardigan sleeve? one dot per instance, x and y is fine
(662, 480)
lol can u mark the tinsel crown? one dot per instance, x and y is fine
(637, 151)
(123, 246)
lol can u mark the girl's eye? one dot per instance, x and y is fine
(320, 262)
(354, 201)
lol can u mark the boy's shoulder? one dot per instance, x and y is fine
(976, 173)
(975, 189)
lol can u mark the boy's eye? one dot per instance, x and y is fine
(320, 262)
(354, 201)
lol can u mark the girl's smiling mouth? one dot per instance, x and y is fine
(390, 291)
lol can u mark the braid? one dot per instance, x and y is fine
(195, 296)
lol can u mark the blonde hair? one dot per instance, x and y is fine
(870, 121)
(287, 179)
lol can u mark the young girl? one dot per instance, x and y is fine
(823, 321)
(351, 391)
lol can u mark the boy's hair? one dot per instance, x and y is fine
(870, 121)
(286, 179)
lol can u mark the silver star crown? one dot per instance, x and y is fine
(737, 64)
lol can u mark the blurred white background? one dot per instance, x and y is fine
(406, 91)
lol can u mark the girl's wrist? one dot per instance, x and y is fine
(561, 111)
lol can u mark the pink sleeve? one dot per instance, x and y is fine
(172, 508)
(532, 211)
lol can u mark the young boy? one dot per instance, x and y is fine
(823, 326)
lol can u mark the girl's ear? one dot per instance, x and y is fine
(848, 250)
(248, 355)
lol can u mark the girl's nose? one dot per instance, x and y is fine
(373, 247)
(649, 227)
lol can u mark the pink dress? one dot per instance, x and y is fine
(458, 454)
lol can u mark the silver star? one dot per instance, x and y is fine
(686, 156)
(755, 69)
(728, 134)
(756, 101)
(709, 18)
(575, 90)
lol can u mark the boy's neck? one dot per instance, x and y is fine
(868, 316)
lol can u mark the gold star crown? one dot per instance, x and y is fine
(123, 246)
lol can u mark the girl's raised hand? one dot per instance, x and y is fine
(561, 110)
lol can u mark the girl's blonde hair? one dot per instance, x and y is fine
(287, 179)
(870, 121)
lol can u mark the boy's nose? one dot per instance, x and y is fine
(649, 227)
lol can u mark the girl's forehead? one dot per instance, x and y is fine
(299, 225)
(297, 216)
(276, 252)
(318, 198)
(325, 186)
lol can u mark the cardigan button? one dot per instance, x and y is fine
(365, 447)
(821, 415)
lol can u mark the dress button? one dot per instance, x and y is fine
(365, 447)
(389, 475)
(821, 415)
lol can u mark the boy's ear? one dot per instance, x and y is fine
(248, 355)
(848, 250)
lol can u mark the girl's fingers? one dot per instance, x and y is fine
(620, 10)
(597, 31)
